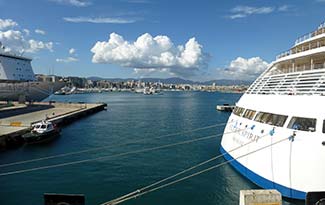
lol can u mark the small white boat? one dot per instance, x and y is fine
(42, 132)
(139, 90)
(147, 91)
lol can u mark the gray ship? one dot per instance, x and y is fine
(17, 80)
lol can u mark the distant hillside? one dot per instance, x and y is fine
(176, 81)
(162, 80)
(228, 82)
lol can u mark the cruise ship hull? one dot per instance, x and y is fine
(32, 91)
(272, 157)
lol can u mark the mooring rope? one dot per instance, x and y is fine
(108, 146)
(190, 168)
(143, 191)
(109, 156)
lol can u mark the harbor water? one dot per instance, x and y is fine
(131, 117)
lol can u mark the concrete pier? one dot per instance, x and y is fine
(260, 197)
(15, 122)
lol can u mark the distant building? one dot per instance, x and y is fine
(47, 78)
(76, 82)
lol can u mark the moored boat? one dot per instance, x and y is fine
(43, 131)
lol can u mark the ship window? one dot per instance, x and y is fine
(271, 119)
(304, 124)
(249, 114)
(238, 111)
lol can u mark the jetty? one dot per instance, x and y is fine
(16, 120)
(260, 197)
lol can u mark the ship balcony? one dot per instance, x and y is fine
(295, 68)
(307, 82)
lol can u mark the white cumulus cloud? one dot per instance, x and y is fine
(39, 31)
(18, 40)
(77, 3)
(7, 23)
(26, 31)
(72, 51)
(15, 41)
(81, 19)
(35, 46)
(243, 69)
(151, 53)
(67, 60)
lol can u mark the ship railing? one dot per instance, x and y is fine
(284, 54)
(304, 37)
(305, 48)
(310, 82)
(320, 30)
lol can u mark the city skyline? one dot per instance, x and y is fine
(200, 41)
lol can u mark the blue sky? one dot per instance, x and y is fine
(199, 40)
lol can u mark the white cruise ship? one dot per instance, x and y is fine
(275, 136)
(17, 80)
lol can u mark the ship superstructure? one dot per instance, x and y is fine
(17, 80)
(282, 116)
(15, 68)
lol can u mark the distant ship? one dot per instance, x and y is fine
(275, 136)
(17, 80)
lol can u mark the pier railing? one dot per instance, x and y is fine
(311, 82)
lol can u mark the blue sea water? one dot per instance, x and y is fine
(131, 117)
